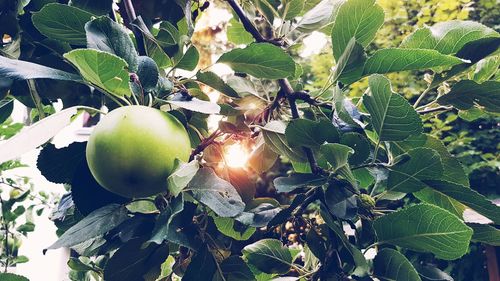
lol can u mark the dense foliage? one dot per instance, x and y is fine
(340, 165)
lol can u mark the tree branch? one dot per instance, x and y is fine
(250, 27)
(132, 16)
(204, 144)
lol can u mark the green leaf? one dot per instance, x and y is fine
(218, 194)
(359, 144)
(214, 81)
(148, 73)
(336, 154)
(35, 135)
(448, 37)
(62, 22)
(181, 176)
(467, 93)
(274, 136)
(295, 181)
(261, 60)
(425, 228)
(320, 17)
(431, 196)
(486, 69)
(453, 170)
(12, 277)
(96, 223)
(23, 70)
(393, 118)
(308, 133)
(174, 224)
(399, 59)
(486, 234)
(189, 59)
(106, 35)
(340, 201)
(237, 34)
(269, 256)
(59, 165)
(103, 70)
(133, 260)
(292, 8)
(349, 67)
(356, 18)
(202, 266)
(262, 158)
(234, 229)
(468, 197)
(391, 265)
(234, 268)
(259, 212)
(6, 108)
(407, 175)
(97, 7)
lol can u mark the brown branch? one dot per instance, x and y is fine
(250, 27)
(206, 142)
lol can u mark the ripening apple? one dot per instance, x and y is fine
(131, 151)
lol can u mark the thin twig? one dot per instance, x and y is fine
(435, 109)
(132, 16)
(36, 98)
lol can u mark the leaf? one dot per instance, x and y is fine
(356, 18)
(97, 7)
(258, 213)
(295, 181)
(308, 133)
(468, 197)
(133, 260)
(237, 34)
(181, 176)
(104, 70)
(320, 17)
(6, 108)
(62, 22)
(393, 118)
(96, 223)
(398, 59)
(425, 228)
(269, 256)
(234, 229)
(486, 69)
(349, 67)
(448, 37)
(104, 34)
(285, 213)
(391, 265)
(340, 201)
(12, 277)
(189, 60)
(336, 154)
(359, 144)
(148, 73)
(202, 266)
(486, 234)
(262, 158)
(292, 9)
(87, 194)
(466, 94)
(174, 224)
(195, 104)
(23, 70)
(35, 135)
(59, 165)
(218, 194)
(453, 170)
(274, 136)
(431, 196)
(214, 81)
(261, 60)
(431, 273)
(406, 176)
(234, 268)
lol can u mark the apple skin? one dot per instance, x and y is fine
(131, 151)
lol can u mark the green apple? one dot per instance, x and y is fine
(131, 151)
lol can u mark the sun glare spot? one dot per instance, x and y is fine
(236, 156)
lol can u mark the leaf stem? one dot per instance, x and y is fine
(423, 95)
(132, 16)
(36, 99)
